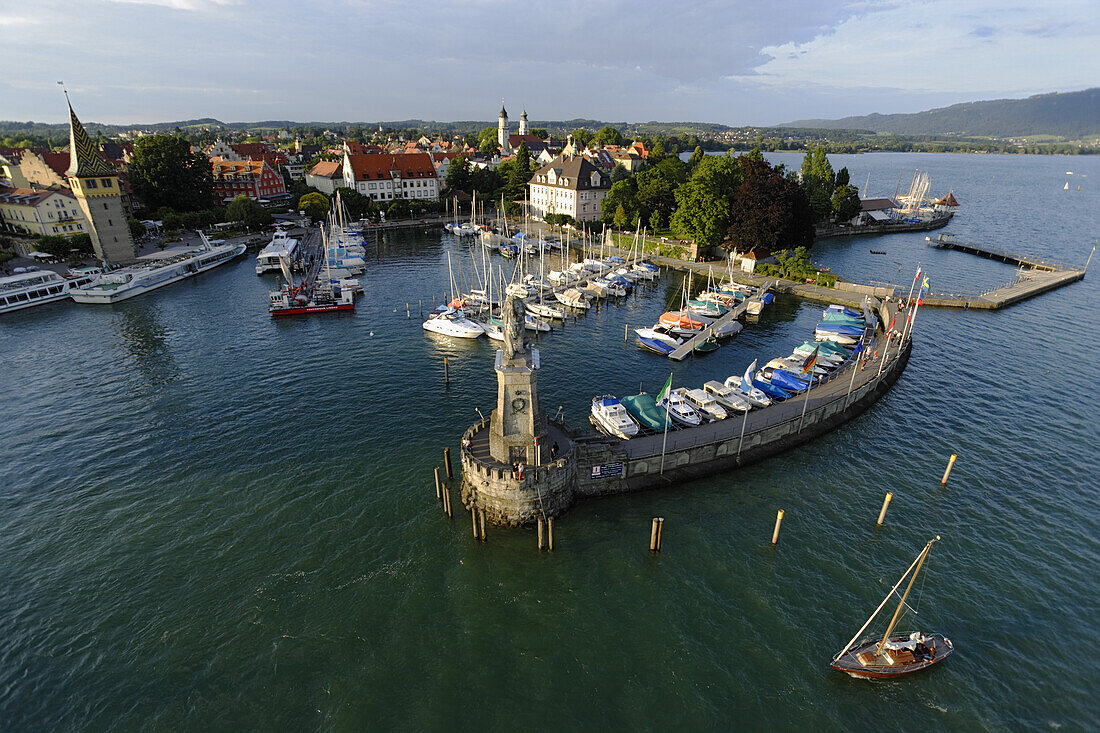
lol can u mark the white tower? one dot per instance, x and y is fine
(503, 131)
(523, 124)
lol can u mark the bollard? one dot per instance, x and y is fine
(950, 465)
(885, 505)
(540, 533)
(482, 517)
(550, 534)
(447, 500)
(626, 333)
(421, 307)
(446, 372)
(473, 519)
(660, 531)
(438, 491)
(407, 313)
(653, 536)
(775, 532)
(447, 462)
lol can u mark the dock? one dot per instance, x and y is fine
(733, 314)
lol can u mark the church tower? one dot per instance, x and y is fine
(503, 131)
(523, 130)
(96, 187)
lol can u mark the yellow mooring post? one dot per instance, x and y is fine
(778, 522)
(947, 473)
(885, 506)
(653, 536)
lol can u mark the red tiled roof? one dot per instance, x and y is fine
(250, 150)
(29, 196)
(327, 169)
(377, 166)
(224, 168)
(58, 162)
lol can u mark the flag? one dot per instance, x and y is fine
(923, 286)
(665, 390)
(892, 323)
(859, 346)
(746, 381)
(808, 365)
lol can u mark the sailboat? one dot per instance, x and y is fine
(897, 653)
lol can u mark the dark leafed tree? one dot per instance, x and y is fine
(248, 212)
(769, 213)
(608, 135)
(703, 202)
(315, 205)
(164, 172)
(458, 174)
(846, 204)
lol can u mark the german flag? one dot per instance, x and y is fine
(808, 365)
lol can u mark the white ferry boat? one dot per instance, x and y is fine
(157, 270)
(281, 247)
(38, 287)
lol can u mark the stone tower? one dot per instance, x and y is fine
(503, 131)
(518, 419)
(97, 190)
(523, 129)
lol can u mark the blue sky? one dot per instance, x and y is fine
(731, 62)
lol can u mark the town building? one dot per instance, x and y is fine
(388, 176)
(45, 212)
(326, 176)
(98, 193)
(255, 179)
(570, 185)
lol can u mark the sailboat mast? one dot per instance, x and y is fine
(897, 612)
(872, 618)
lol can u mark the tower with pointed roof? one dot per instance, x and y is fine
(503, 131)
(523, 129)
(97, 189)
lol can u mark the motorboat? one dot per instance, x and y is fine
(703, 403)
(545, 311)
(644, 272)
(451, 322)
(290, 300)
(682, 320)
(830, 348)
(281, 247)
(707, 308)
(609, 287)
(519, 290)
(772, 391)
(27, 289)
(796, 364)
(657, 340)
(843, 311)
(643, 408)
(831, 359)
(788, 381)
(679, 409)
(563, 277)
(726, 396)
(609, 416)
(843, 320)
(839, 333)
(534, 323)
(573, 298)
(156, 270)
(752, 395)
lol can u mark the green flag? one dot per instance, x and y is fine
(665, 390)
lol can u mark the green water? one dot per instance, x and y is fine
(210, 520)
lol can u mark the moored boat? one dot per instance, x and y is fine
(643, 408)
(727, 396)
(609, 415)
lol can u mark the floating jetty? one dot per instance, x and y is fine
(519, 464)
(685, 349)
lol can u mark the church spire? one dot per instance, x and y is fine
(84, 159)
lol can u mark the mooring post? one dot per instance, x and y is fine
(660, 531)
(447, 462)
(653, 536)
(550, 534)
(446, 372)
(626, 333)
(421, 307)
(947, 473)
(540, 532)
(473, 519)
(482, 518)
(778, 522)
(407, 313)
(438, 490)
(885, 506)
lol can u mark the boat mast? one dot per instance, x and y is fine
(894, 620)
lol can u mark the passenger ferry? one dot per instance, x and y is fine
(281, 247)
(157, 270)
(38, 287)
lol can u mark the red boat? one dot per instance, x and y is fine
(293, 301)
(681, 319)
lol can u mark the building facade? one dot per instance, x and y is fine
(44, 212)
(388, 176)
(569, 185)
(252, 178)
(326, 176)
(98, 193)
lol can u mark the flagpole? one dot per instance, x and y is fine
(806, 401)
(744, 422)
(910, 296)
(664, 441)
(886, 350)
(1089, 259)
(852, 382)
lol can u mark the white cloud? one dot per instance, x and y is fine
(943, 46)
(190, 5)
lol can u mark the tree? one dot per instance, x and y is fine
(621, 196)
(846, 204)
(248, 212)
(357, 204)
(137, 229)
(619, 173)
(655, 221)
(657, 153)
(540, 133)
(582, 137)
(490, 147)
(696, 156)
(842, 177)
(620, 218)
(818, 181)
(769, 212)
(458, 174)
(608, 135)
(703, 203)
(164, 172)
(315, 205)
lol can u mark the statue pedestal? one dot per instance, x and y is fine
(518, 421)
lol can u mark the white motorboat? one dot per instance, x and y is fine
(563, 277)
(659, 333)
(596, 266)
(573, 298)
(644, 272)
(451, 322)
(753, 395)
(157, 270)
(679, 409)
(281, 247)
(28, 289)
(704, 403)
(545, 311)
(608, 287)
(793, 365)
(534, 323)
(727, 397)
(609, 415)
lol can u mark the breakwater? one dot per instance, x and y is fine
(893, 227)
(587, 465)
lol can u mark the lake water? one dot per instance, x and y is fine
(213, 520)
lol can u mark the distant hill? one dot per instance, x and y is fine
(1070, 115)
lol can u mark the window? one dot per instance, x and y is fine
(106, 182)
(104, 206)
(90, 184)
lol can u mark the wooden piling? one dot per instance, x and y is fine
(447, 462)
(438, 491)
(447, 500)
(885, 506)
(947, 473)
(626, 333)
(473, 519)
(653, 536)
(549, 534)
(482, 518)
(660, 531)
(421, 307)
(446, 372)
(778, 522)
(540, 532)
(407, 313)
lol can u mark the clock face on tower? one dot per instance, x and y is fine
(519, 404)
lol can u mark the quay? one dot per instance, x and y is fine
(519, 464)
(826, 231)
(685, 349)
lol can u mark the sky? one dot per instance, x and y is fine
(731, 62)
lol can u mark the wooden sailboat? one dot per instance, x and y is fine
(896, 654)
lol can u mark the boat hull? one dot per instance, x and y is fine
(306, 310)
(904, 663)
